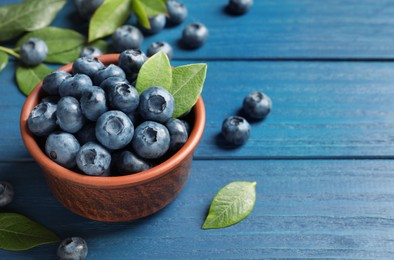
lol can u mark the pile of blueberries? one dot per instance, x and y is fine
(95, 122)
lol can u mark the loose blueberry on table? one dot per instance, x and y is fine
(157, 23)
(6, 193)
(33, 51)
(156, 47)
(177, 12)
(72, 248)
(239, 7)
(257, 105)
(126, 37)
(235, 130)
(194, 35)
(90, 52)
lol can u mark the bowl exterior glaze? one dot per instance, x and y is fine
(117, 198)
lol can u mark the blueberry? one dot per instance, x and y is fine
(128, 163)
(178, 133)
(52, 82)
(42, 119)
(51, 99)
(131, 61)
(194, 35)
(33, 51)
(156, 104)
(62, 148)
(156, 47)
(69, 115)
(127, 37)
(87, 133)
(236, 130)
(90, 51)
(151, 140)
(6, 193)
(134, 117)
(75, 86)
(93, 103)
(239, 6)
(86, 8)
(94, 160)
(111, 82)
(257, 105)
(187, 125)
(157, 23)
(87, 65)
(177, 12)
(72, 248)
(123, 97)
(114, 129)
(111, 71)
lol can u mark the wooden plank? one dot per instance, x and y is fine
(328, 109)
(323, 209)
(279, 29)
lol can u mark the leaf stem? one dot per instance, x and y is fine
(10, 52)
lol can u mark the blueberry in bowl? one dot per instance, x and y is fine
(87, 182)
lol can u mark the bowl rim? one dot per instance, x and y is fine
(107, 181)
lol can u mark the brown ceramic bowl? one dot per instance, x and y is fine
(115, 198)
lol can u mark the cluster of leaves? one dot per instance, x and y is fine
(32, 18)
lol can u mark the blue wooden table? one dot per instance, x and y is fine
(322, 160)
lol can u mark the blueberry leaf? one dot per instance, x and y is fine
(18, 232)
(108, 17)
(28, 77)
(156, 71)
(27, 16)
(64, 45)
(139, 11)
(3, 60)
(187, 84)
(233, 203)
(147, 8)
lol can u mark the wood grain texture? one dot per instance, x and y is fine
(304, 209)
(329, 109)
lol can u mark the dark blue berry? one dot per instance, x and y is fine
(156, 104)
(90, 51)
(52, 82)
(86, 8)
(257, 105)
(33, 51)
(151, 140)
(127, 37)
(6, 193)
(177, 12)
(72, 248)
(178, 134)
(111, 71)
(128, 163)
(194, 35)
(75, 86)
(157, 23)
(111, 82)
(69, 114)
(236, 130)
(123, 97)
(87, 133)
(239, 6)
(131, 61)
(114, 129)
(156, 47)
(62, 148)
(94, 160)
(93, 103)
(42, 119)
(87, 65)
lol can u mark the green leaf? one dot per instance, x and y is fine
(139, 11)
(28, 77)
(18, 232)
(108, 17)
(3, 60)
(187, 84)
(156, 71)
(154, 7)
(231, 204)
(27, 16)
(64, 45)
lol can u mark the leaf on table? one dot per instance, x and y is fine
(107, 18)
(187, 85)
(233, 203)
(156, 71)
(28, 77)
(64, 45)
(139, 11)
(27, 16)
(18, 232)
(3, 60)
